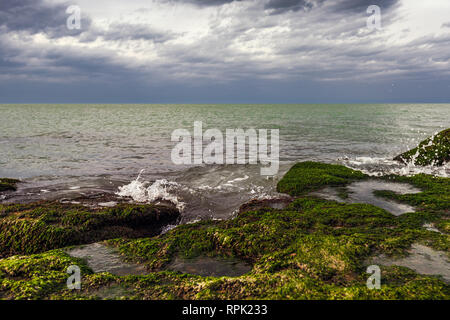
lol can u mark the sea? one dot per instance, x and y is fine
(63, 151)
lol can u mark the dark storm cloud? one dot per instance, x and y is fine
(361, 5)
(206, 3)
(338, 6)
(280, 6)
(259, 51)
(35, 16)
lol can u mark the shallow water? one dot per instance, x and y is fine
(421, 259)
(212, 267)
(68, 151)
(101, 258)
(363, 192)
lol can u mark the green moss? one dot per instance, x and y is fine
(432, 151)
(7, 184)
(313, 249)
(37, 227)
(435, 195)
(309, 176)
(36, 276)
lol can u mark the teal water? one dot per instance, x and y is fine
(79, 147)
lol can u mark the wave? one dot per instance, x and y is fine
(375, 166)
(160, 190)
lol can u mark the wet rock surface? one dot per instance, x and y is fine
(312, 248)
(210, 267)
(101, 258)
(46, 225)
(421, 259)
(280, 203)
(432, 151)
(363, 192)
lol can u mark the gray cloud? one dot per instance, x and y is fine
(36, 16)
(361, 5)
(254, 47)
(119, 31)
(281, 6)
(205, 3)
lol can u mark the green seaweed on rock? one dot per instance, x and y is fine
(41, 226)
(313, 249)
(432, 151)
(7, 184)
(309, 176)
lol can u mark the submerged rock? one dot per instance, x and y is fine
(7, 184)
(101, 258)
(432, 151)
(256, 204)
(210, 267)
(365, 192)
(422, 259)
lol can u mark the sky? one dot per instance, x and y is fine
(225, 51)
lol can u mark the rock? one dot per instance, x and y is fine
(40, 226)
(257, 204)
(7, 184)
(309, 176)
(432, 151)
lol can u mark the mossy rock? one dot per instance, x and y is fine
(432, 151)
(7, 184)
(309, 176)
(434, 198)
(312, 249)
(36, 276)
(41, 226)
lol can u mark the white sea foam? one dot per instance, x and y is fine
(159, 190)
(374, 166)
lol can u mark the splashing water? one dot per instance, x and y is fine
(375, 166)
(160, 190)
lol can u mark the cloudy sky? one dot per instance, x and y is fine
(224, 51)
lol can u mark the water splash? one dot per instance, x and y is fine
(376, 166)
(144, 192)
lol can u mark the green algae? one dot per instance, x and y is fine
(312, 249)
(432, 151)
(37, 227)
(7, 184)
(309, 176)
(36, 276)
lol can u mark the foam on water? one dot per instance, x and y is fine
(160, 190)
(207, 192)
(376, 166)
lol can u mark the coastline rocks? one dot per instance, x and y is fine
(257, 204)
(312, 248)
(7, 184)
(310, 176)
(432, 151)
(40, 226)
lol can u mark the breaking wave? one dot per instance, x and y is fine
(143, 191)
(374, 166)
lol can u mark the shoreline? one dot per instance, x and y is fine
(213, 239)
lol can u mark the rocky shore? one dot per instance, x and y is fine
(300, 247)
(432, 151)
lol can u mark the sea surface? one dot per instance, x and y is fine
(60, 151)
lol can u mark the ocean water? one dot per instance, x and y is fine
(64, 150)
